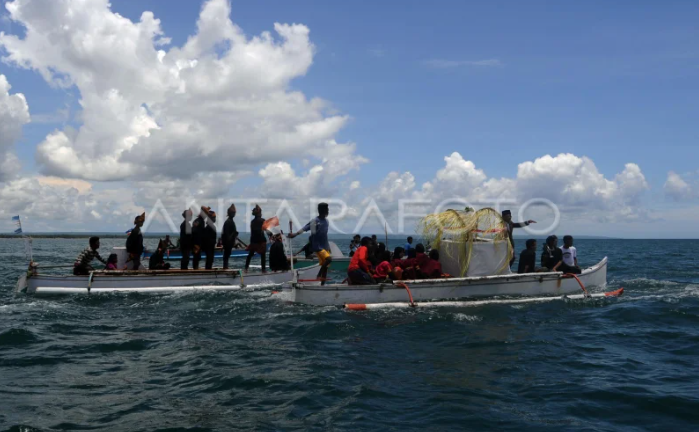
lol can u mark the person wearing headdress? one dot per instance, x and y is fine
(186, 240)
(134, 242)
(198, 226)
(258, 242)
(510, 226)
(319, 239)
(208, 236)
(229, 236)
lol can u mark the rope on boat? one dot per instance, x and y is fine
(571, 275)
(410, 295)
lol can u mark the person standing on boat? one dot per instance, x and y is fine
(186, 241)
(408, 244)
(82, 266)
(319, 239)
(510, 226)
(134, 242)
(258, 242)
(229, 235)
(209, 236)
(197, 239)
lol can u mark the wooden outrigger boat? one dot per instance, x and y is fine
(155, 281)
(506, 285)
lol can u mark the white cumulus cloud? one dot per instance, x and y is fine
(677, 188)
(219, 103)
(14, 113)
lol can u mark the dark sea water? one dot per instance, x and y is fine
(244, 361)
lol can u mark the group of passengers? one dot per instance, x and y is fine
(372, 263)
(553, 258)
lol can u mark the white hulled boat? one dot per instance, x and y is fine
(475, 287)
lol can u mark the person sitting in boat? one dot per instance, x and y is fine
(112, 262)
(134, 242)
(398, 254)
(229, 235)
(432, 268)
(569, 260)
(319, 239)
(384, 270)
(307, 249)
(411, 267)
(411, 254)
(82, 265)
(510, 226)
(209, 236)
(551, 253)
(527, 259)
(258, 242)
(186, 240)
(358, 271)
(168, 243)
(157, 260)
(278, 261)
(354, 244)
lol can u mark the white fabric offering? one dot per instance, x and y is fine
(487, 258)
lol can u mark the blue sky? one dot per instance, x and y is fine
(499, 82)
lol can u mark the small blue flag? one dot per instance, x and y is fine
(15, 218)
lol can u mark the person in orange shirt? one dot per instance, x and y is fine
(358, 272)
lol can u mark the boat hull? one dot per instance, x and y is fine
(532, 284)
(156, 281)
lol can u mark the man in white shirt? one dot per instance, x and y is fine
(569, 264)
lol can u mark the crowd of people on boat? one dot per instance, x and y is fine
(370, 261)
(553, 258)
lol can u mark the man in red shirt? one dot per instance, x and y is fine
(358, 272)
